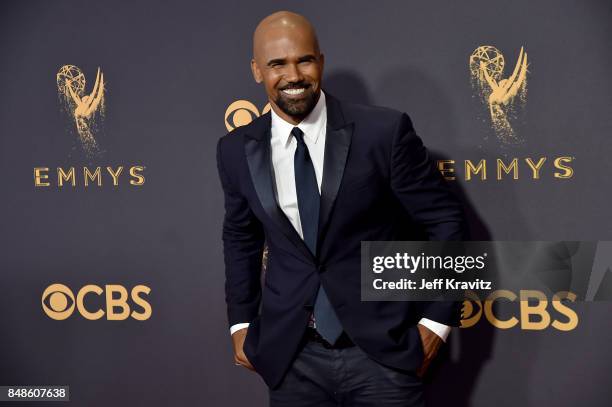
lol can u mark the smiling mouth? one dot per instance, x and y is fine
(293, 91)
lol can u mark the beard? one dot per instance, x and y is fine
(297, 108)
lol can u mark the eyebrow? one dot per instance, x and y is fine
(281, 61)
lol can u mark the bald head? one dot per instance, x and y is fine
(287, 59)
(283, 23)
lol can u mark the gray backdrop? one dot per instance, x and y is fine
(171, 70)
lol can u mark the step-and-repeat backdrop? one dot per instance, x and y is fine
(111, 269)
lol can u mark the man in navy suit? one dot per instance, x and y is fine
(312, 179)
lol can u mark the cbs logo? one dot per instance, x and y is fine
(59, 302)
(241, 113)
(533, 312)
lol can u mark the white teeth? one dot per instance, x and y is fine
(294, 91)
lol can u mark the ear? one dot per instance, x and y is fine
(256, 72)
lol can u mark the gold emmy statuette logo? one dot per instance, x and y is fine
(241, 113)
(82, 107)
(503, 96)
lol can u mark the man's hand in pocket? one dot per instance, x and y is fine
(238, 341)
(431, 344)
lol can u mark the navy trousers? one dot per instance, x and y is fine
(322, 377)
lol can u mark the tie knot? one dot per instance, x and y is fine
(298, 134)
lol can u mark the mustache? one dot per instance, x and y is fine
(296, 85)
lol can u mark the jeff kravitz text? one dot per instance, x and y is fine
(411, 264)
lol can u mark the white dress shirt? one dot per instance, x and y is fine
(283, 146)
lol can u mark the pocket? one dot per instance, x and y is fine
(419, 345)
(251, 340)
(400, 377)
(386, 375)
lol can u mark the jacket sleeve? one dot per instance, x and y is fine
(243, 243)
(420, 187)
(424, 194)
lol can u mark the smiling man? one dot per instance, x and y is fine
(312, 179)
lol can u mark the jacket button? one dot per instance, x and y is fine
(309, 307)
(321, 269)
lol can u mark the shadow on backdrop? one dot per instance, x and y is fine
(453, 376)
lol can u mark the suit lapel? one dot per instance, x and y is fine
(258, 154)
(337, 144)
(257, 149)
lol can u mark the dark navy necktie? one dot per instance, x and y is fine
(309, 199)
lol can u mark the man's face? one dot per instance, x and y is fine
(290, 66)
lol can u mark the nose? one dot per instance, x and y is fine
(293, 73)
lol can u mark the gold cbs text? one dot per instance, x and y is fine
(58, 302)
(533, 310)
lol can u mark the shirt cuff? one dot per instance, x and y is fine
(439, 329)
(238, 327)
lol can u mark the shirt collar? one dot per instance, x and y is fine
(312, 125)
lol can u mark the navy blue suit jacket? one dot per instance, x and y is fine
(377, 176)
